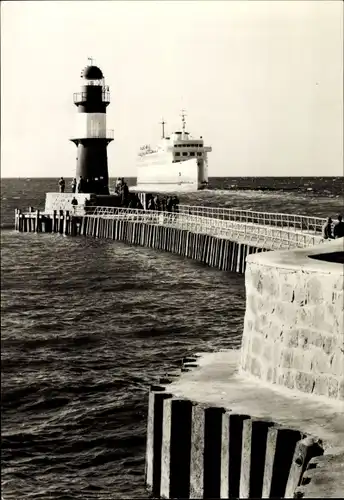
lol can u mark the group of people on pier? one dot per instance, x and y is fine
(163, 204)
(153, 202)
(126, 198)
(332, 231)
(82, 185)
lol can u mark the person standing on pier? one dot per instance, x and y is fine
(124, 193)
(139, 205)
(327, 230)
(157, 203)
(74, 203)
(338, 230)
(169, 204)
(118, 186)
(163, 204)
(176, 204)
(73, 185)
(62, 185)
(80, 185)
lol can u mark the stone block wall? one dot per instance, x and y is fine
(293, 329)
(63, 201)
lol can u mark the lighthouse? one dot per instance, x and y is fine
(92, 137)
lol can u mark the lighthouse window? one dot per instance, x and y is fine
(177, 153)
(192, 153)
(199, 154)
(185, 154)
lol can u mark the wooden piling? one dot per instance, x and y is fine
(222, 254)
(232, 255)
(218, 253)
(60, 222)
(37, 228)
(177, 241)
(66, 222)
(50, 225)
(73, 226)
(20, 220)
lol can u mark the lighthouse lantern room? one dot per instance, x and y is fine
(92, 137)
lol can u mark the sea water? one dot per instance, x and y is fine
(87, 325)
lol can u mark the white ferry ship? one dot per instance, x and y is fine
(178, 164)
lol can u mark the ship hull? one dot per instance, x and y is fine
(158, 173)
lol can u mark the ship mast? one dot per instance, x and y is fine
(163, 123)
(183, 115)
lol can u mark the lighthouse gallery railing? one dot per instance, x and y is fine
(80, 97)
(97, 134)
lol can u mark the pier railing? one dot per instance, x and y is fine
(299, 222)
(272, 237)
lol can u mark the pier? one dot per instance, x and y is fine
(265, 421)
(221, 238)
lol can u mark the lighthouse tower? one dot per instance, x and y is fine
(92, 137)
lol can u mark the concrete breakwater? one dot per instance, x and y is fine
(266, 421)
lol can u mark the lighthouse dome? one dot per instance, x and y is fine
(92, 73)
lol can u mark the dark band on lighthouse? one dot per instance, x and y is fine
(92, 136)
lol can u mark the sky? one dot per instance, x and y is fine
(261, 81)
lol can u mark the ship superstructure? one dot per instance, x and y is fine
(178, 163)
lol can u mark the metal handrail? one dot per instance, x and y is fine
(301, 222)
(297, 222)
(271, 237)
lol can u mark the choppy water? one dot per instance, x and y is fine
(87, 325)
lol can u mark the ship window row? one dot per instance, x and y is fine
(192, 153)
(188, 145)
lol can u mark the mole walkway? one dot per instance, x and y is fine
(271, 231)
(263, 230)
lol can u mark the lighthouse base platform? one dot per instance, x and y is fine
(63, 201)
